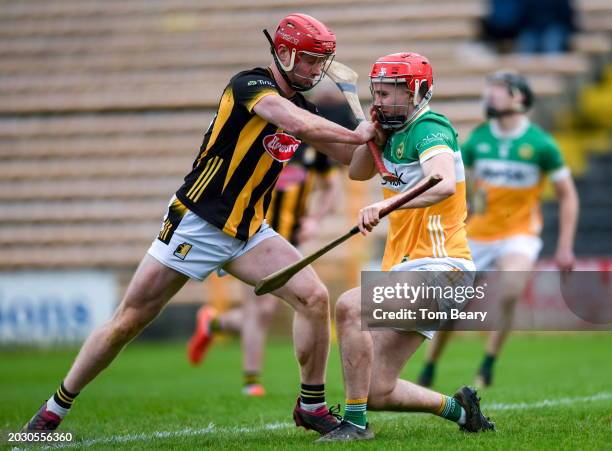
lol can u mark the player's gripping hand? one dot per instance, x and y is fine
(381, 136)
(366, 131)
(369, 217)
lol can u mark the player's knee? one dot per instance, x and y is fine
(123, 328)
(317, 301)
(128, 322)
(347, 310)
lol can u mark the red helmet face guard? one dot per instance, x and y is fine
(306, 69)
(406, 82)
(311, 46)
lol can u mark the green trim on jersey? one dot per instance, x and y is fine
(427, 131)
(535, 146)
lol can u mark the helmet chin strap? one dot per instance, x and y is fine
(284, 69)
(420, 105)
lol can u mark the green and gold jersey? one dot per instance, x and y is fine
(508, 175)
(240, 159)
(438, 230)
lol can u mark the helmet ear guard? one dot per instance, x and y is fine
(302, 35)
(279, 65)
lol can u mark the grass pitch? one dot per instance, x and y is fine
(551, 391)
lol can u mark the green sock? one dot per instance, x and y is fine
(451, 410)
(355, 412)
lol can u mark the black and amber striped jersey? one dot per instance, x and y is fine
(240, 159)
(290, 197)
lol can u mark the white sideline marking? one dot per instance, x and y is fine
(549, 402)
(235, 430)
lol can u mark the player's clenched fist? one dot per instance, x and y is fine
(369, 217)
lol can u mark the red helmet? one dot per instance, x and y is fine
(303, 34)
(407, 68)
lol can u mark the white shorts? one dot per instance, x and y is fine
(197, 247)
(467, 267)
(486, 253)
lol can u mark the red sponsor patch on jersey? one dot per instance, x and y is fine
(281, 146)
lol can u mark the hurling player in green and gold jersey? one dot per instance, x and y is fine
(508, 158)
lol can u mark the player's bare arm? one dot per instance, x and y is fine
(565, 191)
(328, 137)
(362, 165)
(443, 164)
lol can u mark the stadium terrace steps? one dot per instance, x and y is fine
(97, 146)
(103, 8)
(56, 126)
(125, 166)
(72, 256)
(98, 187)
(187, 58)
(333, 15)
(194, 98)
(77, 233)
(193, 93)
(127, 43)
(446, 58)
(81, 211)
(593, 237)
(84, 189)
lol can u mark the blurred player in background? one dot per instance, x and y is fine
(508, 158)
(216, 218)
(292, 217)
(288, 216)
(426, 234)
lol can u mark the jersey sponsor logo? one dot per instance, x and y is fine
(260, 82)
(431, 138)
(507, 175)
(281, 146)
(182, 250)
(399, 180)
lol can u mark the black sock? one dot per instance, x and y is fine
(312, 394)
(63, 397)
(429, 369)
(251, 378)
(487, 362)
(427, 374)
